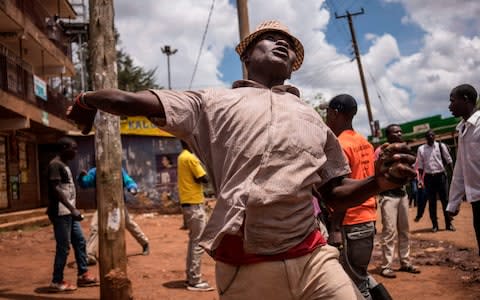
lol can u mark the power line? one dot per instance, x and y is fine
(201, 44)
(317, 74)
(340, 29)
(381, 96)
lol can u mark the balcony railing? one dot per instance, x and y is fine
(46, 23)
(16, 78)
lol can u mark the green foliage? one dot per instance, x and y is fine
(134, 78)
(130, 77)
(318, 102)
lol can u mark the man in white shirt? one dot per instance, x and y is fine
(433, 159)
(466, 175)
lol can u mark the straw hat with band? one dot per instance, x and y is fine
(275, 26)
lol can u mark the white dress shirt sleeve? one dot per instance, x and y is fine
(420, 158)
(457, 188)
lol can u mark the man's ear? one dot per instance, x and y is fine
(245, 57)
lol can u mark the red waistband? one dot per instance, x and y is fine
(231, 251)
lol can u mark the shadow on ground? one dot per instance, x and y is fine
(8, 294)
(440, 253)
(175, 284)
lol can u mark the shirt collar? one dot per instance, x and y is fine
(474, 118)
(278, 88)
(471, 121)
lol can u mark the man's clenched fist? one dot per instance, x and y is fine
(82, 114)
(393, 167)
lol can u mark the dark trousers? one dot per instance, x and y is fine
(421, 203)
(436, 184)
(358, 242)
(476, 221)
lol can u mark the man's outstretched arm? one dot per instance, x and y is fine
(113, 101)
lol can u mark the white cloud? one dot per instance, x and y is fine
(148, 25)
(410, 86)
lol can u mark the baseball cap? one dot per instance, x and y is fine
(343, 103)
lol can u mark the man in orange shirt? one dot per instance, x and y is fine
(358, 223)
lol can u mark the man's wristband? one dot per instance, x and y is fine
(80, 101)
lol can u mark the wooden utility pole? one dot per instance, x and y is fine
(114, 283)
(244, 27)
(359, 64)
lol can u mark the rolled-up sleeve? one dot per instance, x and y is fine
(336, 164)
(182, 111)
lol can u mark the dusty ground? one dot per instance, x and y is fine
(448, 260)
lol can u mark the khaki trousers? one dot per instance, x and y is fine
(130, 225)
(196, 219)
(317, 275)
(395, 224)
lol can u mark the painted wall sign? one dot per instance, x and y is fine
(140, 126)
(40, 88)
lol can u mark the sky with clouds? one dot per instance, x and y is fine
(413, 51)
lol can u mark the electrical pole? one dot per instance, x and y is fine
(169, 51)
(243, 25)
(359, 64)
(114, 283)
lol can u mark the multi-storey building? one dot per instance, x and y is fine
(35, 64)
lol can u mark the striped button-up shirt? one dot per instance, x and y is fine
(264, 150)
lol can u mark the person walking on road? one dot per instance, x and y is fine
(191, 175)
(66, 218)
(433, 160)
(466, 174)
(89, 180)
(265, 150)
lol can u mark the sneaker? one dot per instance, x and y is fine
(201, 286)
(434, 229)
(146, 249)
(86, 280)
(62, 287)
(91, 260)
(417, 219)
(388, 273)
(409, 269)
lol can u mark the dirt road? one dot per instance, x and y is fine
(448, 260)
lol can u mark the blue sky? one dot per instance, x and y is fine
(378, 17)
(413, 51)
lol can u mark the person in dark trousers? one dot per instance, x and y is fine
(433, 161)
(466, 174)
(265, 150)
(357, 223)
(66, 218)
(420, 195)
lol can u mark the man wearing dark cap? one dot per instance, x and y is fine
(357, 223)
(264, 150)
